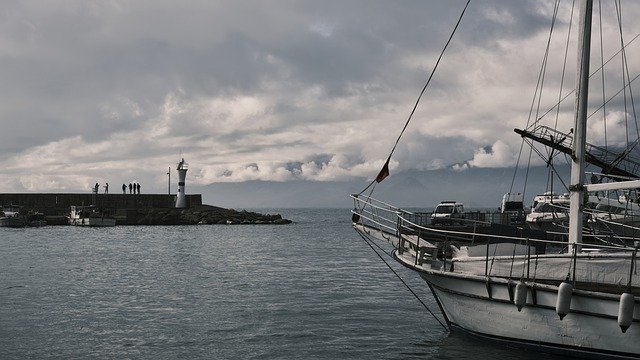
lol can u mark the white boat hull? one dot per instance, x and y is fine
(12, 221)
(95, 222)
(590, 329)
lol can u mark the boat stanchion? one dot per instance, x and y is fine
(510, 287)
(521, 295)
(488, 285)
(563, 302)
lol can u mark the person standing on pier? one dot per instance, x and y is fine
(138, 186)
(124, 189)
(130, 188)
(96, 187)
(106, 188)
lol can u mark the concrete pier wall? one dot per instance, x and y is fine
(59, 203)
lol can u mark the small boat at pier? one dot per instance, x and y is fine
(11, 217)
(90, 216)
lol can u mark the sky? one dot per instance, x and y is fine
(279, 91)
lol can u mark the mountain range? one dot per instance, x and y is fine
(479, 188)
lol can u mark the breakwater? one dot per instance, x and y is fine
(136, 209)
(59, 203)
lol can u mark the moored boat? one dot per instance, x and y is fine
(35, 219)
(90, 216)
(11, 217)
(562, 296)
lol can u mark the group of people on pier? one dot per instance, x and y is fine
(134, 188)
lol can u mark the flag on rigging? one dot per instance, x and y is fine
(384, 172)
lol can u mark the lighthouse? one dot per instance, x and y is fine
(181, 199)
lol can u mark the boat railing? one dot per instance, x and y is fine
(560, 140)
(376, 214)
(406, 226)
(382, 216)
(488, 252)
(521, 252)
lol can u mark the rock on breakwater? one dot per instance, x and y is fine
(200, 214)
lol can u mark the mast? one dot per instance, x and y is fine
(578, 157)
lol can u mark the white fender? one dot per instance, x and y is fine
(625, 311)
(563, 302)
(520, 297)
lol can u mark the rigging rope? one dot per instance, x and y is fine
(593, 73)
(403, 282)
(604, 98)
(564, 64)
(533, 101)
(627, 80)
(625, 69)
(543, 70)
(384, 172)
(623, 58)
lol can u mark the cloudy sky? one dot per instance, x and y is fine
(117, 91)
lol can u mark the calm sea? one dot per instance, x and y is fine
(311, 290)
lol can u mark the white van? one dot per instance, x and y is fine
(448, 213)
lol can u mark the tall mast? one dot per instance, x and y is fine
(580, 125)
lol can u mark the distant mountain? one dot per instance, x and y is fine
(476, 188)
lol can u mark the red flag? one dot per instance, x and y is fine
(384, 172)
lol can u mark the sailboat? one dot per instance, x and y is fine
(568, 297)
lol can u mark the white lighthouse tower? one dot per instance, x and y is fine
(181, 199)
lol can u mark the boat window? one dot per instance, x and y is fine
(543, 207)
(444, 209)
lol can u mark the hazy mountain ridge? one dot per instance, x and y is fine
(476, 187)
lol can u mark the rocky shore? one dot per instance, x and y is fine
(199, 214)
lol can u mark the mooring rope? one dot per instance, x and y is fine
(403, 282)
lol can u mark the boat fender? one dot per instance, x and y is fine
(625, 311)
(563, 302)
(520, 295)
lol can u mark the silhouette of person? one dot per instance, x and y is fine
(130, 188)
(134, 188)
(96, 187)
(124, 189)
(138, 185)
(106, 188)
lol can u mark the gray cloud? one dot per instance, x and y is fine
(265, 90)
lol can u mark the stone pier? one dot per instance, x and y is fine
(60, 203)
(135, 209)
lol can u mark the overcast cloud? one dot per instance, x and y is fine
(116, 91)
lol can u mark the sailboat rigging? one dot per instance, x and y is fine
(522, 287)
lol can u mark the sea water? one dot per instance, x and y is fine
(309, 290)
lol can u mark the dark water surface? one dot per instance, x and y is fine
(312, 289)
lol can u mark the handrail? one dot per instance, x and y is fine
(368, 198)
(398, 222)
